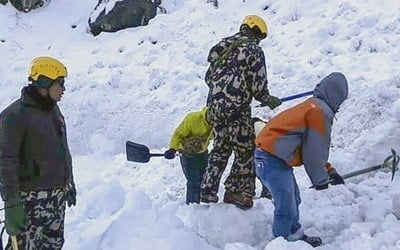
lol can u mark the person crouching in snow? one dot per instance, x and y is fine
(298, 136)
(191, 138)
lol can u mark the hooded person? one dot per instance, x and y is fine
(36, 180)
(300, 135)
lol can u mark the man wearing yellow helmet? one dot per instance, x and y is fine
(36, 178)
(237, 74)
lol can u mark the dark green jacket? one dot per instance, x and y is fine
(34, 153)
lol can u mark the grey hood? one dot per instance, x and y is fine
(333, 90)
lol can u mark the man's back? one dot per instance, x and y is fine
(236, 74)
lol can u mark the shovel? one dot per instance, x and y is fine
(288, 98)
(139, 153)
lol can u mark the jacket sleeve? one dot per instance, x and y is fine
(11, 139)
(180, 134)
(316, 143)
(68, 157)
(257, 75)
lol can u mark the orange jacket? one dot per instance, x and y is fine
(283, 135)
(302, 134)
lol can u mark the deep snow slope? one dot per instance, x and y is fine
(137, 84)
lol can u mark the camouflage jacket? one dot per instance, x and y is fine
(34, 153)
(236, 74)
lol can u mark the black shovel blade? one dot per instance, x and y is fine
(137, 152)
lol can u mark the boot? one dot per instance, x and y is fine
(238, 200)
(312, 240)
(208, 198)
(265, 193)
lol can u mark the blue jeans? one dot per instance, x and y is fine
(193, 166)
(279, 179)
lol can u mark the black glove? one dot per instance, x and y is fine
(170, 154)
(71, 194)
(335, 178)
(273, 102)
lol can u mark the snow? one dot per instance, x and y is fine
(137, 84)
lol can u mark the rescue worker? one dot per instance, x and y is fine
(36, 180)
(300, 135)
(192, 138)
(237, 74)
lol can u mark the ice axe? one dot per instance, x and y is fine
(288, 98)
(139, 153)
(391, 162)
(14, 242)
(1, 238)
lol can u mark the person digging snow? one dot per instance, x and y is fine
(298, 136)
(192, 138)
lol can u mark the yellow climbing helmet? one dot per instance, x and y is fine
(48, 67)
(256, 21)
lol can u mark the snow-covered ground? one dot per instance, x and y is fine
(137, 85)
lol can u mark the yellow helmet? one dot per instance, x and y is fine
(256, 21)
(48, 67)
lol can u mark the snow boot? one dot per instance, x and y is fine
(312, 240)
(265, 193)
(208, 198)
(238, 200)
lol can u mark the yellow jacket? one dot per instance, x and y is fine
(194, 125)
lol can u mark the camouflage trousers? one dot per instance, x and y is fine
(237, 136)
(45, 210)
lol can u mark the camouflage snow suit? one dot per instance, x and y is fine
(35, 163)
(236, 74)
